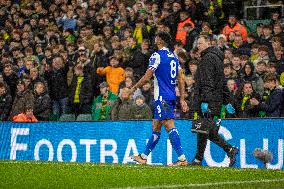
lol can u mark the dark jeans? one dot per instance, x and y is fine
(212, 136)
(77, 109)
(59, 107)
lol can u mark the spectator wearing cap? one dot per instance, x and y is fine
(42, 106)
(26, 116)
(81, 91)
(181, 33)
(141, 110)
(235, 27)
(274, 103)
(5, 102)
(114, 74)
(102, 104)
(22, 99)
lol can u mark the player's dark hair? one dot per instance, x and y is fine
(166, 37)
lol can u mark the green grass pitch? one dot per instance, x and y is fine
(29, 174)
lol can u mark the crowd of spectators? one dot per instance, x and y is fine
(81, 57)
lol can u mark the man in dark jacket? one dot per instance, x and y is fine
(10, 78)
(140, 56)
(81, 91)
(123, 107)
(42, 103)
(57, 82)
(209, 91)
(274, 104)
(5, 102)
(191, 35)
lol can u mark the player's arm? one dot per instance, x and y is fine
(154, 62)
(181, 87)
(146, 77)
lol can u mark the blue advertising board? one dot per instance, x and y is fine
(115, 142)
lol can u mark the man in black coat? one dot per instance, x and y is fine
(210, 93)
(56, 77)
(140, 56)
(5, 102)
(81, 92)
(274, 104)
(191, 35)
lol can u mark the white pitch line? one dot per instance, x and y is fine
(203, 184)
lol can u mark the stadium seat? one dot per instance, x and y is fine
(251, 24)
(53, 118)
(84, 117)
(67, 117)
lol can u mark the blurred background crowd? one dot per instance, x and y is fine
(80, 57)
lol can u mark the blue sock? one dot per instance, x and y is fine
(153, 140)
(175, 141)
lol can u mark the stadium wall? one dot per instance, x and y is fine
(115, 142)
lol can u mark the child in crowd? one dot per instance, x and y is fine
(114, 74)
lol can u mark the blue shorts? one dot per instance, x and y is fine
(164, 110)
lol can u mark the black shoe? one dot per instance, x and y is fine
(194, 163)
(232, 155)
